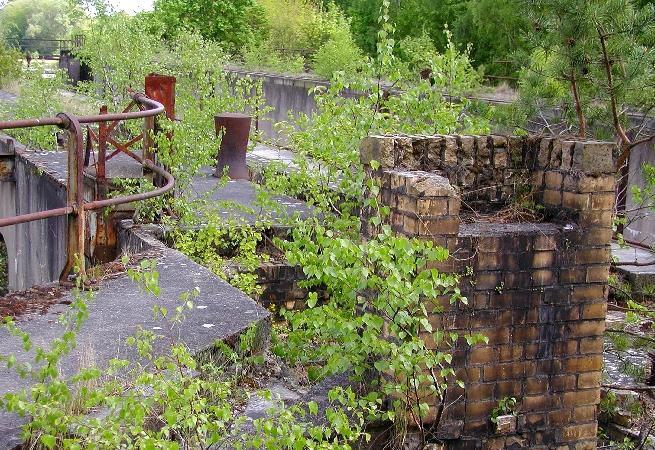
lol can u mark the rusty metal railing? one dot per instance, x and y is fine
(76, 207)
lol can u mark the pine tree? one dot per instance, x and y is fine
(596, 58)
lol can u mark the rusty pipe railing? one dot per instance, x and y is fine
(76, 206)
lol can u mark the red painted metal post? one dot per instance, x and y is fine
(161, 88)
(235, 130)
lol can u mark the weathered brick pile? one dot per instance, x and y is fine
(279, 284)
(537, 290)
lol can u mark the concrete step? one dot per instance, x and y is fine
(636, 263)
(221, 313)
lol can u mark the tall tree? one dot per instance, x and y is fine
(231, 22)
(601, 53)
(497, 30)
(37, 19)
(411, 18)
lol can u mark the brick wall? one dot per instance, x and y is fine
(280, 286)
(536, 290)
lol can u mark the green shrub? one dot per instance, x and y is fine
(10, 64)
(263, 56)
(339, 53)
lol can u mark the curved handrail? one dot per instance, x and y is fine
(154, 108)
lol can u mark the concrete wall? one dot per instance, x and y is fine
(285, 94)
(538, 291)
(35, 250)
(641, 223)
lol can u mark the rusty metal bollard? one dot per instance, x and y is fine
(232, 154)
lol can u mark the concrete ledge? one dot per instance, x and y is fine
(120, 308)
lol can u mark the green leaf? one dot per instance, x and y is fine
(313, 408)
(48, 440)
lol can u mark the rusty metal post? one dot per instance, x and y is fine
(161, 88)
(75, 197)
(235, 130)
(101, 167)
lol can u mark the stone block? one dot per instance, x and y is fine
(586, 363)
(594, 158)
(432, 207)
(567, 154)
(578, 202)
(7, 146)
(426, 184)
(543, 277)
(559, 418)
(603, 201)
(584, 413)
(592, 344)
(543, 156)
(542, 260)
(594, 218)
(506, 424)
(602, 183)
(435, 150)
(467, 145)
(450, 151)
(561, 383)
(588, 397)
(480, 392)
(589, 380)
(598, 274)
(438, 226)
(552, 197)
(577, 432)
(501, 158)
(406, 204)
(479, 410)
(554, 180)
(482, 355)
(404, 154)
(378, 148)
(483, 153)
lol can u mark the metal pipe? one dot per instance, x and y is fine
(98, 204)
(15, 220)
(154, 108)
(170, 183)
(27, 123)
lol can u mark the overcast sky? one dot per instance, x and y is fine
(132, 6)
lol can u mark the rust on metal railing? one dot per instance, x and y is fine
(76, 206)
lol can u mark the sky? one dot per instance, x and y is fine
(132, 6)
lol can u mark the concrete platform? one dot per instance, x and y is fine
(264, 155)
(221, 312)
(636, 263)
(238, 200)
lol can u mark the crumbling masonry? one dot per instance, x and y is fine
(537, 290)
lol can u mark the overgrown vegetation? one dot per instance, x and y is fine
(371, 320)
(379, 292)
(10, 64)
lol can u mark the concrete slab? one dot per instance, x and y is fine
(120, 166)
(221, 312)
(264, 155)
(55, 164)
(636, 263)
(238, 200)
(8, 97)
